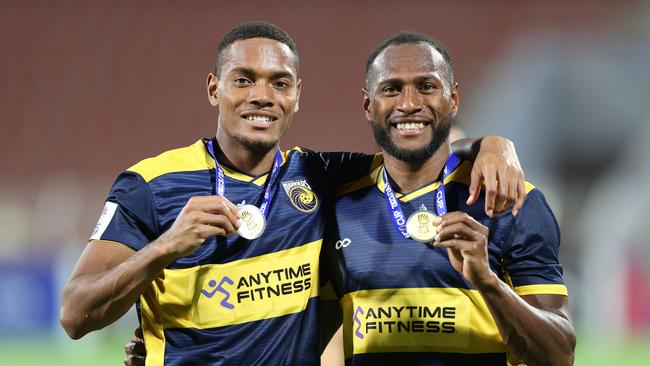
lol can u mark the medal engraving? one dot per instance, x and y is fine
(253, 222)
(420, 225)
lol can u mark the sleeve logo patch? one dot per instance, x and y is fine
(104, 219)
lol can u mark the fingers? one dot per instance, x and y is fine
(450, 222)
(491, 190)
(504, 188)
(512, 192)
(135, 347)
(457, 231)
(135, 350)
(217, 205)
(503, 183)
(521, 196)
(207, 231)
(133, 360)
(215, 222)
(474, 186)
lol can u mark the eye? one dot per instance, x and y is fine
(389, 90)
(281, 84)
(242, 81)
(428, 87)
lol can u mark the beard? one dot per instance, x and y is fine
(419, 155)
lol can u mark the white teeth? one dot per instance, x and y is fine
(258, 118)
(410, 126)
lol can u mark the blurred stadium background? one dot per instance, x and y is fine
(88, 88)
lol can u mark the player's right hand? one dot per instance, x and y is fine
(201, 218)
(135, 351)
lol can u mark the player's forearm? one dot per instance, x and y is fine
(536, 336)
(95, 300)
(469, 148)
(466, 148)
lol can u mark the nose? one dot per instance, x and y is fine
(261, 95)
(409, 101)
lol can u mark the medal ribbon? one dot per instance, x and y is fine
(399, 220)
(268, 194)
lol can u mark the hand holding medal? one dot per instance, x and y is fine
(253, 219)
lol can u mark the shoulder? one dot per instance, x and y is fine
(329, 158)
(190, 158)
(363, 172)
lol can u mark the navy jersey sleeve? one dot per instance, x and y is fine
(532, 247)
(345, 167)
(129, 215)
(330, 268)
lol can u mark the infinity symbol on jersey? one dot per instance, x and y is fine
(343, 243)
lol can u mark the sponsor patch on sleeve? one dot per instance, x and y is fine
(104, 219)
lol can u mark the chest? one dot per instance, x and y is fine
(294, 215)
(370, 252)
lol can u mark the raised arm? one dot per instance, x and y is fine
(535, 328)
(496, 165)
(109, 277)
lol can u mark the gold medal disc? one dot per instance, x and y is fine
(420, 226)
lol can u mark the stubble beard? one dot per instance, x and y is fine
(256, 146)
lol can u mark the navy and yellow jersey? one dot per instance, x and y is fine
(233, 301)
(403, 302)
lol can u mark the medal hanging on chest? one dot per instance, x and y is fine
(420, 224)
(253, 218)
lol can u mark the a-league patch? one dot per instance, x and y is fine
(104, 219)
(301, 195)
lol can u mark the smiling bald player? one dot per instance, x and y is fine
(218, 243)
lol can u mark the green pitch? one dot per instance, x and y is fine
(106, 350)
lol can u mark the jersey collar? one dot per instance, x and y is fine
(235, 174)
(462, 170)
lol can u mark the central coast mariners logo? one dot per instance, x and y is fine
(219, 288)
(301, 195)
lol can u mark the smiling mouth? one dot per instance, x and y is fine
(409, 126)
(259, 118)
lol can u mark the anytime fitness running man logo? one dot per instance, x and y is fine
(357, 331)
(219, 288)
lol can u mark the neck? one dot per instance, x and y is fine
(238, 156)
(409, 176)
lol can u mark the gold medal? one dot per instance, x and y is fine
(253, 222)
(420, 225)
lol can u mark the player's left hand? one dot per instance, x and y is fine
(135, 351)
(497, 167)
(466, 242)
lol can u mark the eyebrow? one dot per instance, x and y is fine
(250, 72)
(419, 78)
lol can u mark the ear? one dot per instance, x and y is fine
(455, 100)
(366, 104)
(296, 108)
(211, 86)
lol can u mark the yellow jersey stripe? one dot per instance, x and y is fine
(188, 159)
(545, 289)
